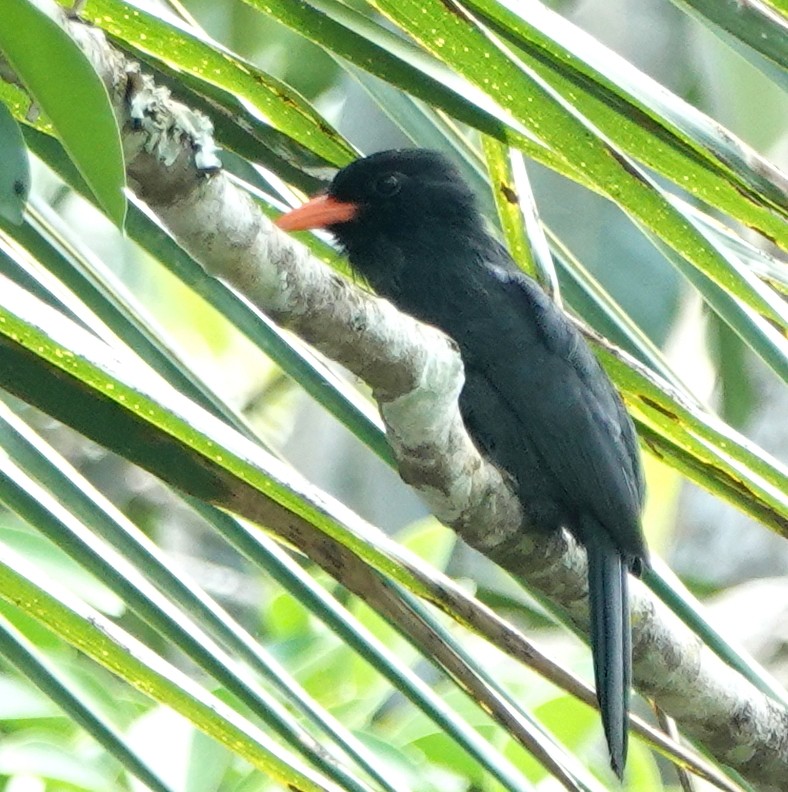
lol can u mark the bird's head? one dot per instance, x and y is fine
(388, 198)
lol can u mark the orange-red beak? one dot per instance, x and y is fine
(320, 212)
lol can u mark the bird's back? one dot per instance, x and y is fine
(536, 400)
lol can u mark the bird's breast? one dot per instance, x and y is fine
(449, 285)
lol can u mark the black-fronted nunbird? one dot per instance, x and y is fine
(535, 400)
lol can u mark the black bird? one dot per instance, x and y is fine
(535, 400)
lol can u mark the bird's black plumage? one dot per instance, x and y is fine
(535, 400)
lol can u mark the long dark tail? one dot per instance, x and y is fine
(611, 639)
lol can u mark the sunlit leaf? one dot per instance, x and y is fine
(61, 79)
(184, 50)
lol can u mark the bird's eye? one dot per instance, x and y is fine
(388, 185)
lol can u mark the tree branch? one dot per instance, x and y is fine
(416, 376)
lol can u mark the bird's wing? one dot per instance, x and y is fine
(569, 417)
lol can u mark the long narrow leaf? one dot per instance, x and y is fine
(20, 493)
(271, 558)
(95, 512)
(14, 168)
(519, 217)
(643, 119)
(15, 648)
(458, 40)
(370, 46)
(187, 50)
(112, 311)
(702, 441)
(216, 470)
(766, 340)
(122, 654)
(755, 23)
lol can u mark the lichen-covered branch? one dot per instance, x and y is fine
(416, 376)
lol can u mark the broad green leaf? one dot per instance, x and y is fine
(14, 168)
(60, 79)
(186, 51)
